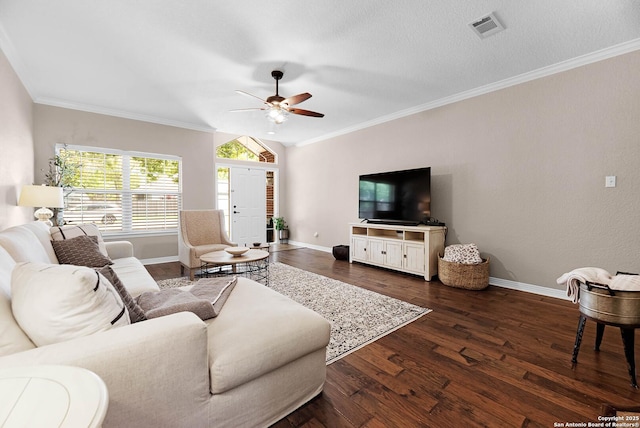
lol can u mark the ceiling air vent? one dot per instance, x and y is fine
(486, 26)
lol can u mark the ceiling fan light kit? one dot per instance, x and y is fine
(279, 108)
(277, 114)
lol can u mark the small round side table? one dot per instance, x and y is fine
(51, 396)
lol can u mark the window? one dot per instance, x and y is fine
(246, 149)
(123, 192)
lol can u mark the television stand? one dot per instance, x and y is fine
(410, 249)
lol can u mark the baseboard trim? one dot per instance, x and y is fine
(313, 247)
(529, 288)
(158, 260)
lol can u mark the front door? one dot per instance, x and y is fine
(248, 205)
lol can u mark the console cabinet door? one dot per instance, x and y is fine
(414, 259)
(385, 253)
(393, 254)
(359, 248)
(376, 251)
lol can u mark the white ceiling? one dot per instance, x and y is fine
(365, 61)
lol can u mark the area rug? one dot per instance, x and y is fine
(357, 316)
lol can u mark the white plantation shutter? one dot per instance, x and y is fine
(124, 192)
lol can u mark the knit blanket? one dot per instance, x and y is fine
(205, 299)
(619, 282)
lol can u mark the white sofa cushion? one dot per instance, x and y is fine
(259, 331)
(69, 231)
(56, 303)
(23, 245)
(134, 276)
(12, 338)
(41, 230)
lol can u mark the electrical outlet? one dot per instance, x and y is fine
(610, 181)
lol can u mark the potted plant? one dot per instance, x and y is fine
(62, 172)
(283, 230)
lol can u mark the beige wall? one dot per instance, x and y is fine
(519, 171)
(59, 125)
(16, 144)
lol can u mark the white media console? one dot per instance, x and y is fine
(411, 249)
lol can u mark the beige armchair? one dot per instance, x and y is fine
(201, 231)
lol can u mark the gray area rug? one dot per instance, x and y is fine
(357, 316)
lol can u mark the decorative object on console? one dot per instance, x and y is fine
(42, 196)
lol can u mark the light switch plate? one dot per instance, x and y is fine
(610, 181)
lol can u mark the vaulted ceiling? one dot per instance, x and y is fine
(179, 62)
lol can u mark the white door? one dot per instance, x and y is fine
(248, 216)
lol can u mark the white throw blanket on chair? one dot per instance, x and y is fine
(620, 282)
(582, 275)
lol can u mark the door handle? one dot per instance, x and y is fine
(236, 212)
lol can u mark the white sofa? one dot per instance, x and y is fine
(260, 359)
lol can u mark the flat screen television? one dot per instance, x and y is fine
(402, 197)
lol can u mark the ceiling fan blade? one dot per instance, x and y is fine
(305, 112)
(297, 99)
(239, 110)
(250, 95)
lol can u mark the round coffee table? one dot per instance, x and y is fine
(253, 264)
(52, 396)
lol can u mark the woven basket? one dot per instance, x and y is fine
(460, 275)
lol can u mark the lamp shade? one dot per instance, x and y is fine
(41, 196)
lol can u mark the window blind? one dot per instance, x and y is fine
(123, 192)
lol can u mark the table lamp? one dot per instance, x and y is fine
(42, 196)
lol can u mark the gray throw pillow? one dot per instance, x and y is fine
(135, 311)
(80, 251)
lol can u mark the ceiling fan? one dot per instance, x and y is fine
(277, 107)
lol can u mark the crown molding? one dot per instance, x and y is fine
(122, 114)
(560, 67)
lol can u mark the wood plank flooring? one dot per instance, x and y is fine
(491, 358)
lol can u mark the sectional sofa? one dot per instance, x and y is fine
(262, 357)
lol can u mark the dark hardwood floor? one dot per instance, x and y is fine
(492, 358)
